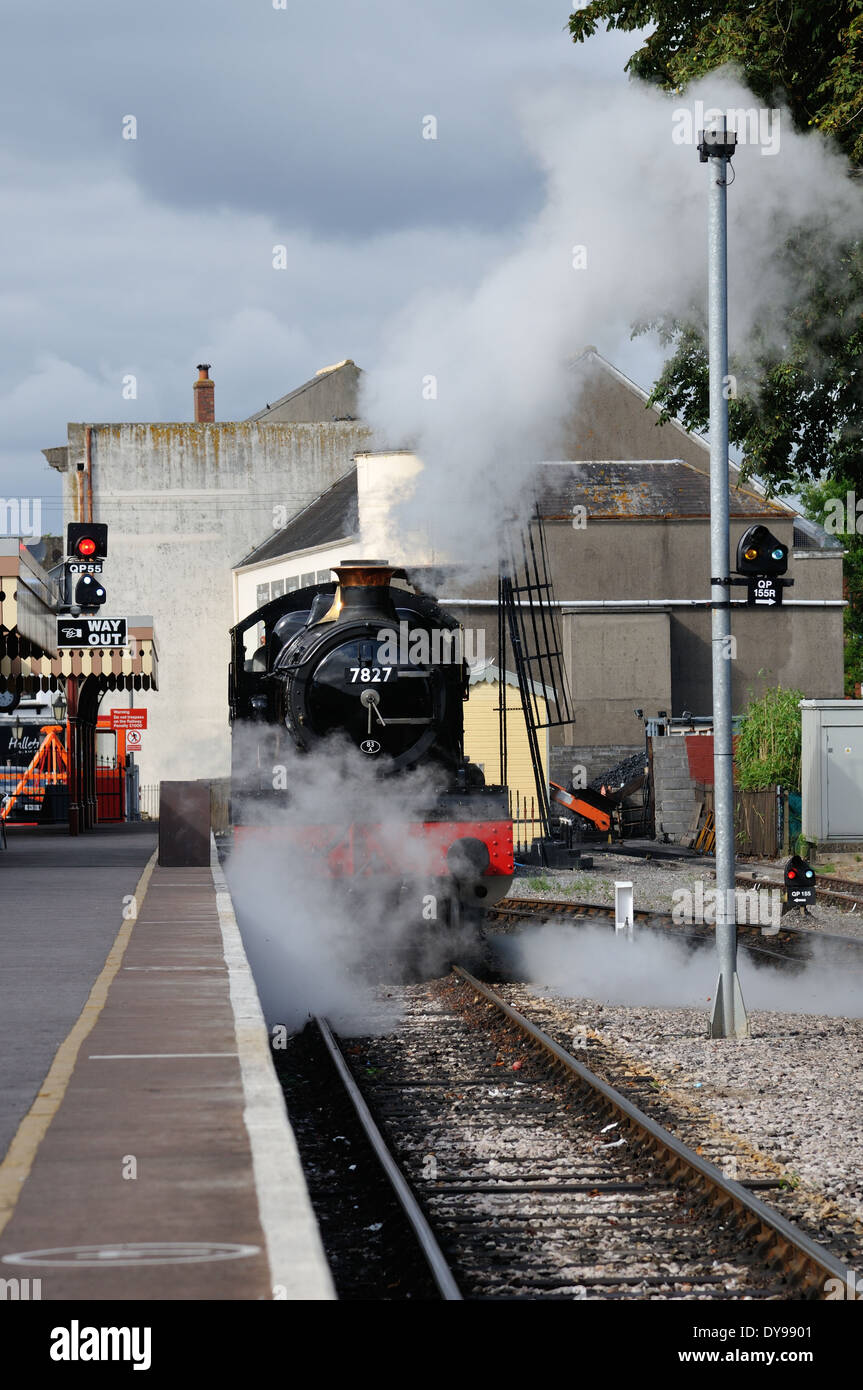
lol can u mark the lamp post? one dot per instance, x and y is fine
(728, 1019)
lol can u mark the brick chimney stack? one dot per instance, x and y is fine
(205, 396)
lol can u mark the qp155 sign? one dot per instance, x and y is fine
(799, 882)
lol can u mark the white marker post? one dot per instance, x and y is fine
(624, 905)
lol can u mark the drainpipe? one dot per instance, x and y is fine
(88, 465)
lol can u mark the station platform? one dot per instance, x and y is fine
(149, 1155)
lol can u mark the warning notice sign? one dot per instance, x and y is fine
(128, 719)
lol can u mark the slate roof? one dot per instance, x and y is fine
(617, 490)
(331, 517)
(331, 394)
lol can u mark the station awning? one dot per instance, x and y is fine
(30, 659)
(134, 667)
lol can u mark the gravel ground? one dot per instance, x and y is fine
(654, 884)
(529, 1192)
(788, 1100)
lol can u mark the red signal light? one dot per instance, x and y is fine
(792, 873)
(87, 540)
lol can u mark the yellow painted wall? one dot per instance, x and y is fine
(482, 745)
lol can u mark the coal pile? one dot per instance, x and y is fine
(620, 774)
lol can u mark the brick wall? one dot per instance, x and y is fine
(674, 788)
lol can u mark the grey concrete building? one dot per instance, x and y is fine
(300, 485)
(183, 502)
(626, 516)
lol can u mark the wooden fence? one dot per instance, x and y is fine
(756, 829)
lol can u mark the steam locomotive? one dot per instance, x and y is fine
(369, 667)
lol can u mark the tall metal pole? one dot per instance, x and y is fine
(728, 1019)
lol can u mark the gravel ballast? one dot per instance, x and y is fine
(785, 1101)
(655, 882)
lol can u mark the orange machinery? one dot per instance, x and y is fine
(592, 805)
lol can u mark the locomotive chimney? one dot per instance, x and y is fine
(364, 590)
(204, 392)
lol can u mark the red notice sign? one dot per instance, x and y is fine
(128, 719)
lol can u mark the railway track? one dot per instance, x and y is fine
(841, 892)
(525, 1175)
(787, 944)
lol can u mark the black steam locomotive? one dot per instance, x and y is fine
(373, 665)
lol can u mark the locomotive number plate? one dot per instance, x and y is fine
(367, 674)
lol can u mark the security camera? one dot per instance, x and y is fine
(639, 713)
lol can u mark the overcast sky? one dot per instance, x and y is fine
(256, 127)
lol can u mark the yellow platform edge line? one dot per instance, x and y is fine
(21, 1155)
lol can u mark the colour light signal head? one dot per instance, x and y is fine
(760, 553)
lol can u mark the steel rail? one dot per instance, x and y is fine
(434, 1256)
(780, 1243)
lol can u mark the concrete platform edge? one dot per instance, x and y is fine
(298, 1265)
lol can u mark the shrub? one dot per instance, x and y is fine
(768, 747)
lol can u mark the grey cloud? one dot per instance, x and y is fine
(256, 127)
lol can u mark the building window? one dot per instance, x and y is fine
(106, 747)
(263, 594)
(291, 584)
(324, 576)
(277, 588)
(307, 579)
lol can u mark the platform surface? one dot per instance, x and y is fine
(61, 903)
(168, 1170)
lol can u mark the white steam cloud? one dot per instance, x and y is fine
(479, 384)
(656, 972)
(320, 944)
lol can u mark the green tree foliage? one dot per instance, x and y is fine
(769, 743)
(804, 415)
(808, 53)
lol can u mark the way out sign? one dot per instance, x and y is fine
(91, 632)
(763, 592)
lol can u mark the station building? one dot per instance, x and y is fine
(632, 581)
(50, 698)
(208, 520)
(183, 501)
